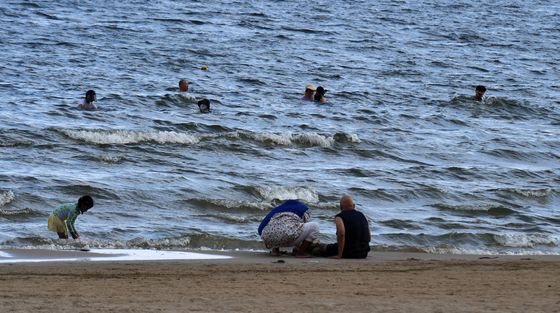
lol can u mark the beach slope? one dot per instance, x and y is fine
(255, 282)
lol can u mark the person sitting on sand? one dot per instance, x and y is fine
(68, 213)
(320, 95)
(352, 233)
(88, 103)
(309, 91)
(287, 226)
(479, 93)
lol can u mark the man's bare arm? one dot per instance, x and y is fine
(340, 236)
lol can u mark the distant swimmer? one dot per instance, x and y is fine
(183, 85)
(88, 103)
(320, 95)
(309, 91)
(479, 93)
(63, 218)
(204, 106)
(183, 89)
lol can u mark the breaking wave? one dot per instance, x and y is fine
(194, 241)
(307, 139)
(130, 137)
(526, 240)
(529, 193)
(496, 210)
(6, 197)
(286, 193)
(20, 213)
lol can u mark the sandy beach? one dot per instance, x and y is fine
(256, 282)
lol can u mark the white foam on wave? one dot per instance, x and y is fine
(526, 241)
(129, 136)
(533, 193)
(287, 193)
(311, 139)
(463, 251)
(96, 255)
(233, 204)
(278, 139)
(6, 197)
(110, 158)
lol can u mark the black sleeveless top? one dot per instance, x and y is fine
(356, 243)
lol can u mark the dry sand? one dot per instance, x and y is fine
(255, 282)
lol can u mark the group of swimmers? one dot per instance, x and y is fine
(310, 94)
(89, 101)
(314, 94)
(318, 94)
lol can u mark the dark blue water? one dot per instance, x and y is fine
(433, 170)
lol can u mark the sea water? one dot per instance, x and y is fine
(433, 170)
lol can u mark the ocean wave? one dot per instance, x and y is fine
(286, 193)
(503, 107)
(519, 155)
(237, 219)
(98, 192)
(308, 139)
(130, 137)
(19, 213)
(400, 224)
(226, 205)
(526, 240)
(483, 251)
(6, 197)
(15, 143)
(496, 210)
(110, 158)
(527, 193)
(191, 241)
(476, 243)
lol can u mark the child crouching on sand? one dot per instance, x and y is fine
(68, 212)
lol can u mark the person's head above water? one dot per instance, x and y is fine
(309, 88)
(183, 85)
(320, 94)
(309, 91)
(204, 106)
(90, 96)
(479, 92)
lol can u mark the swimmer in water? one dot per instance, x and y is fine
(204, 106)
(183, 85)
(88, 103)
(479, 93)
(309, 91)
(320, 95)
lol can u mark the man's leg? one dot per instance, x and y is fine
(330, 250)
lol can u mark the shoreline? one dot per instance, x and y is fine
(257, 282)
(32, 255)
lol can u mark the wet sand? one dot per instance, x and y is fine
(256, 282)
